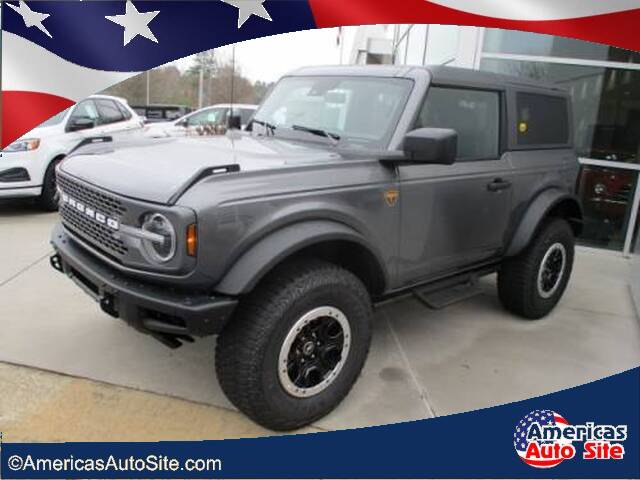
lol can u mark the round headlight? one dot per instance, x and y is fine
(163, 247)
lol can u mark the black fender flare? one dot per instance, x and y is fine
(546, 202)
(277, 246)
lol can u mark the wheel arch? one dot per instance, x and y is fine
(551, 203)
(56, 158)
(323, 239)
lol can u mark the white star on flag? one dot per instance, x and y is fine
(31, 18)
(135, 23)
(246, 8)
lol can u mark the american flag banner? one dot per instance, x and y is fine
(55, 53)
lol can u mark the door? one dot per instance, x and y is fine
(455, 216)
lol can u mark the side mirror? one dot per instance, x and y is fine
(80, 123)
(431, 145)
(234, 122)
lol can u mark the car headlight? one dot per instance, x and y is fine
(25, 145)
(161, 246)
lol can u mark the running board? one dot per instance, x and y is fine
(448, 295)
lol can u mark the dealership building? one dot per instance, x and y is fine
(604, 83)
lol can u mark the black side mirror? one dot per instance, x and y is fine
(80, 123)
(431, 145)
(234, 122)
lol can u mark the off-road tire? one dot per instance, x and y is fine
(48, 198)
(518, 276)
(248, 349)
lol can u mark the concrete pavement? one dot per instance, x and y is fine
(422, 363)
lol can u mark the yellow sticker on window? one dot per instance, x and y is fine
(523, 127)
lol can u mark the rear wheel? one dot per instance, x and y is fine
(531, 284)
(49, 197)
(296, 345)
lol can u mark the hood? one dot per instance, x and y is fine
(157, 169)
(42, 132)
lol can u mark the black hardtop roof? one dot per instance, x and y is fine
(439, 75)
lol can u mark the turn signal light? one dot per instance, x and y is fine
(192, 240)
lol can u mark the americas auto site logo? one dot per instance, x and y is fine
(544, 439)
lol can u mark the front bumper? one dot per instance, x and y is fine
(168, 314)
(13, 186)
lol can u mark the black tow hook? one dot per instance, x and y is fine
(56, 262)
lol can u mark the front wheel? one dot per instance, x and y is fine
(49, 197)
(531, 284)
(296, 345)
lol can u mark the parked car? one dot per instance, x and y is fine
(161, 113)
(27, 167)
(352, 185)
(206, 121)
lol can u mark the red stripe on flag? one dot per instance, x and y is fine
(23, 111)
(618, 29)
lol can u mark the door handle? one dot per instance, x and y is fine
(498, 184)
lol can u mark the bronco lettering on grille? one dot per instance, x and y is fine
(95, 215)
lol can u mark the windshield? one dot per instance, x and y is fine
(55, 120)
(361, 111)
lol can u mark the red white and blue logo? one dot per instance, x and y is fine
(544, 439)
(541, 453)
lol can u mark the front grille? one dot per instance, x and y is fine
(96, 234)
(106, 204)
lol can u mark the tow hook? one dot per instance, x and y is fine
(56, 262)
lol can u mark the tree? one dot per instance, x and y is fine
(171, 86)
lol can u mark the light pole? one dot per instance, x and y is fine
(148, 85)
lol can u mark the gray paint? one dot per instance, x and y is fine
(293, 191)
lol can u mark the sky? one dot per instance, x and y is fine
(267, 59)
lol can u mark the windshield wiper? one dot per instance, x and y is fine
(317, 131)
(269, 128)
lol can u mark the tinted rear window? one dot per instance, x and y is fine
(542, 120)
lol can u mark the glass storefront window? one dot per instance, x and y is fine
(525, 43)
(606, 104)
(442, 46)
(607, 195)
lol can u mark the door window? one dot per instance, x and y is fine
(213, 116)
(109, 111)
(473, 114)
(85, 109)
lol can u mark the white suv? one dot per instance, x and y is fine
(27, 166)
(215, 115)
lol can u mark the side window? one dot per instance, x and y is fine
(124, 110)
(542, 119)
(245, 115)
(85, 109)
(109, 111)
(474, 114)
(207, 117)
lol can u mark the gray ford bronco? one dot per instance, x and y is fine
(352, 185)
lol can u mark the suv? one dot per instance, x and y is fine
(27, 168)
(352, 185)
